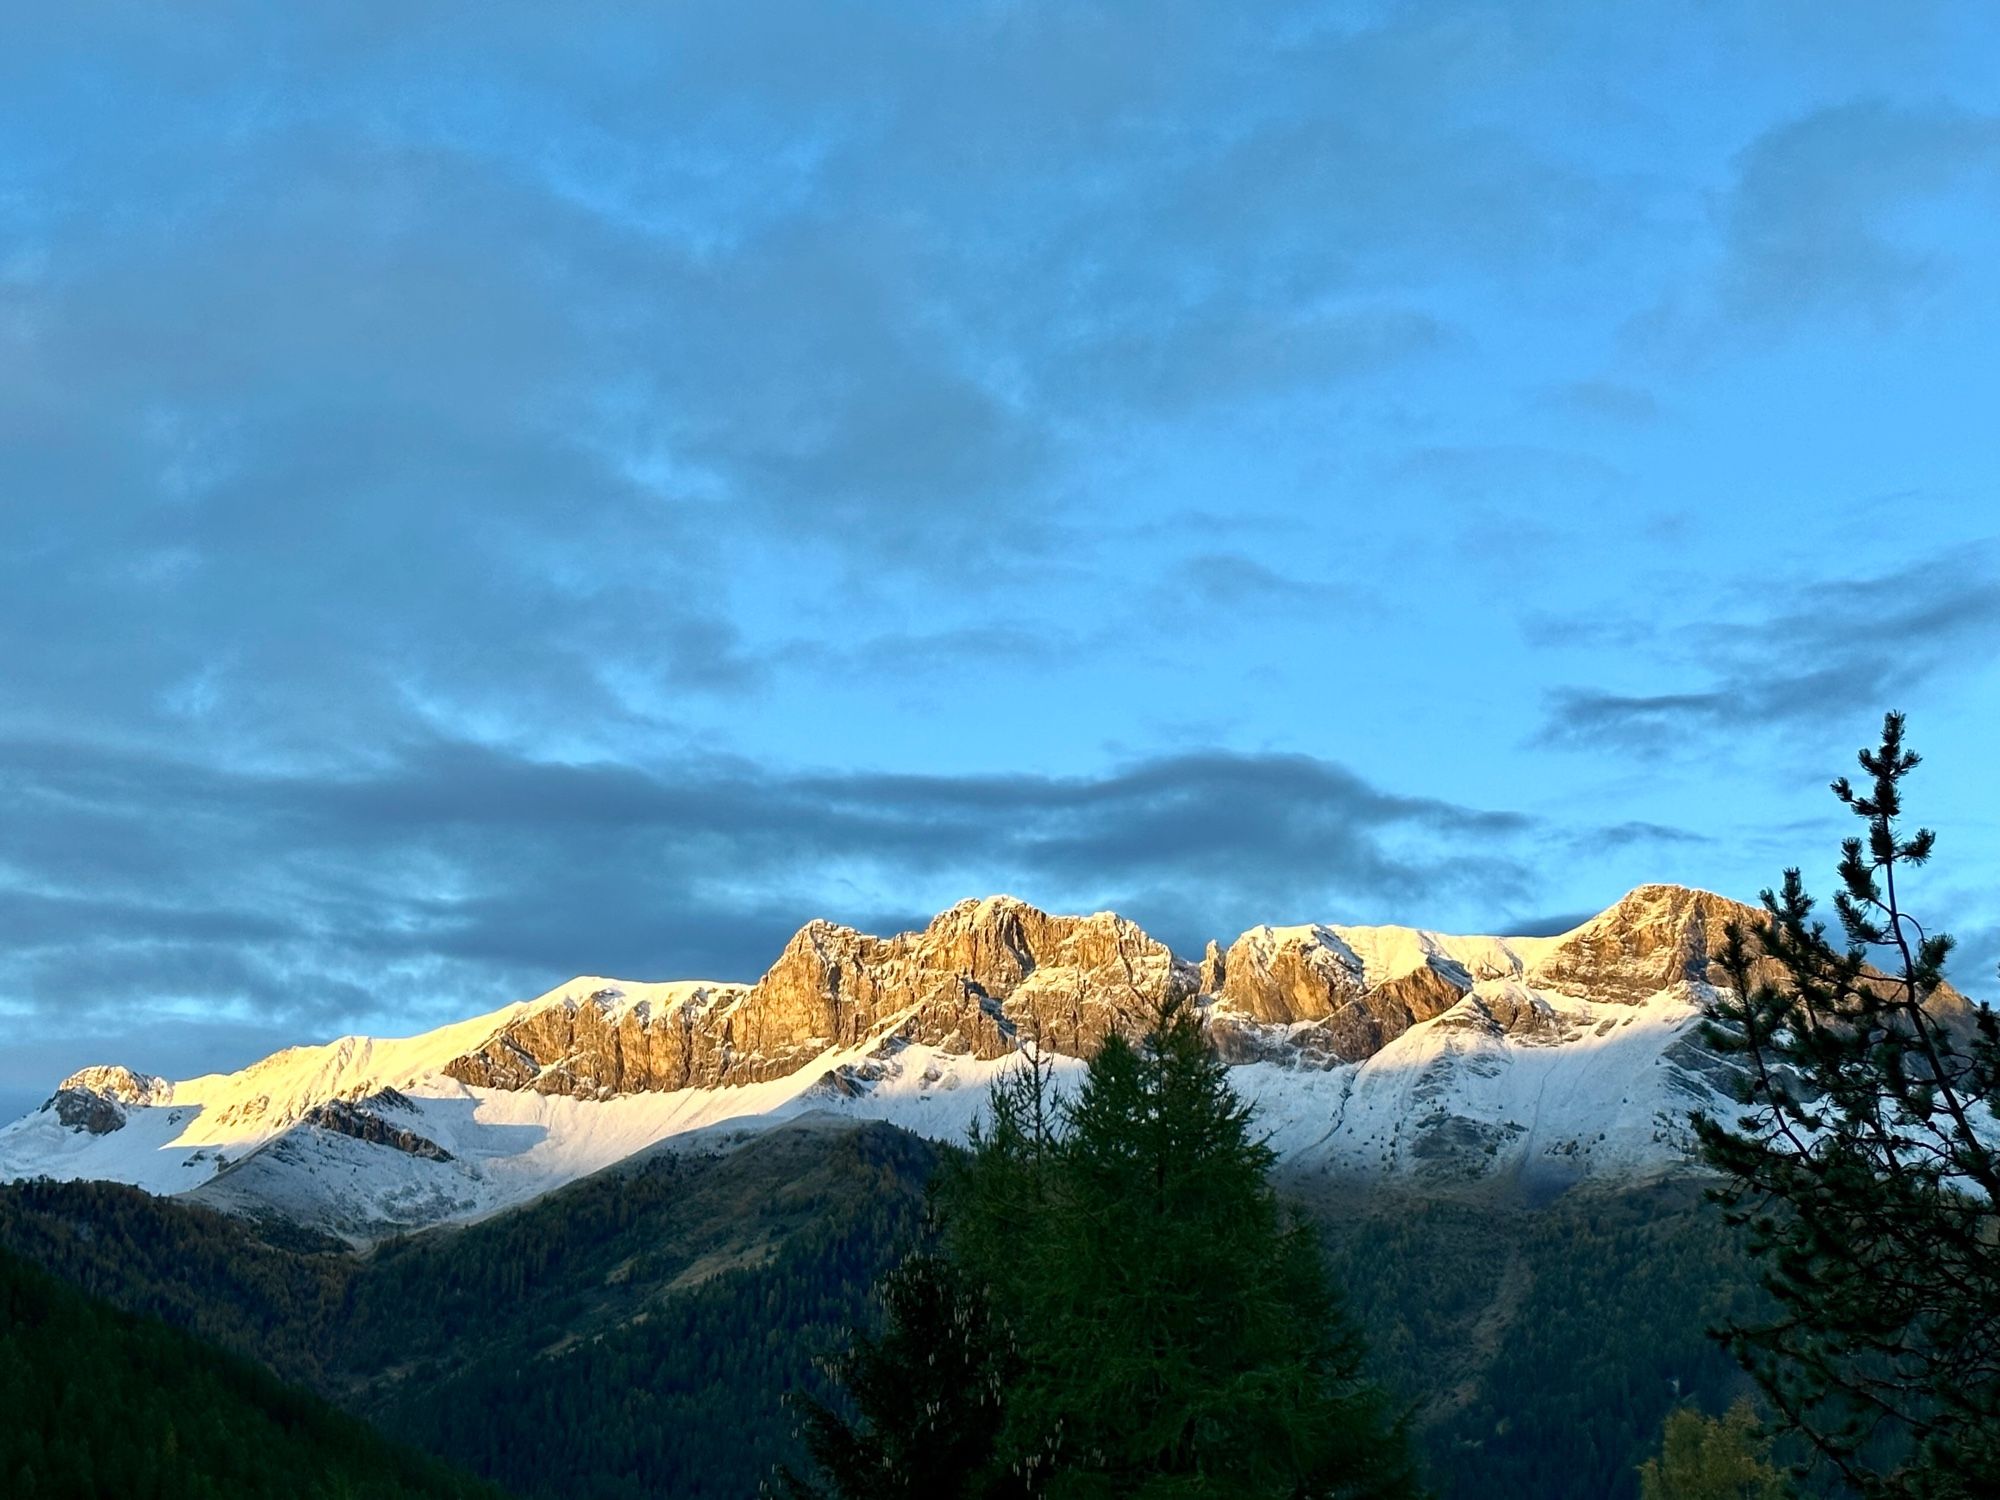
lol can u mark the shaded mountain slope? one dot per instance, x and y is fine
(1542, 1348)
(101, 1402)
(635, 1333)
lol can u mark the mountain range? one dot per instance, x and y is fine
(1383, 1052)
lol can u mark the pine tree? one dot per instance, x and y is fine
(1168, 1329)
(1712, 1458)
(926, 1391)
(1863, 1165)
(1175, 1329)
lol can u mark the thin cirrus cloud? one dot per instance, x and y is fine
(1828, 652)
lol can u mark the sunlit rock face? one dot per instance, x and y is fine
(1281, 975)
(1330, 995)
(1660, 936)
(981, 979)
(121, 1084)
(987, 976)
(1656, 937)
(592, 1046)
(1512, 1011)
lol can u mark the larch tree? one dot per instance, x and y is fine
(1713, 1458)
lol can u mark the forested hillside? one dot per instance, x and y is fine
(100, 1402)
(636, 1334)
(1542, 1348)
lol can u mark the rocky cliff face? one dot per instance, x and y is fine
(1283, 975)
(986, 976)
(120, 1084)
(1275, 977)
(1539, 1060)
(363, 1120)
(981, 979)
(591, 1047)
(1657, 936)
(81, 1109)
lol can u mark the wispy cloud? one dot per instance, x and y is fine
(1816, 652)
(1821, 216)
(138, 882)
(1235, 581)
(1605, 400)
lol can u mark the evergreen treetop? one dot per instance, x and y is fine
(1863, 1162)
(1161, 1326)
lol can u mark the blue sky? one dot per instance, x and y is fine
(490, 493)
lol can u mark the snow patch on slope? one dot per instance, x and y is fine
(1377, 955)
(1590, 1090)
(507, 1147)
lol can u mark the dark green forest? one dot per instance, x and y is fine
(101, 1402)
(637, 1333)
(1542, 1348)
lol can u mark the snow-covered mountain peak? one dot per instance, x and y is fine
(1651, 938)
(1377, 954)
(616, 998)
(120, 1084)
(1367, 1047)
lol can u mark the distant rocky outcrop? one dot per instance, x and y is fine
(1655, 937)
(84, 1109)
(1280, 977)
(356, 1119)
(121, 1084)
(981, 978)
(94, 1099)
(1510, 1010)
(591, 1046)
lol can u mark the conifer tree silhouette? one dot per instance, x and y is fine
(1863, 1164)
